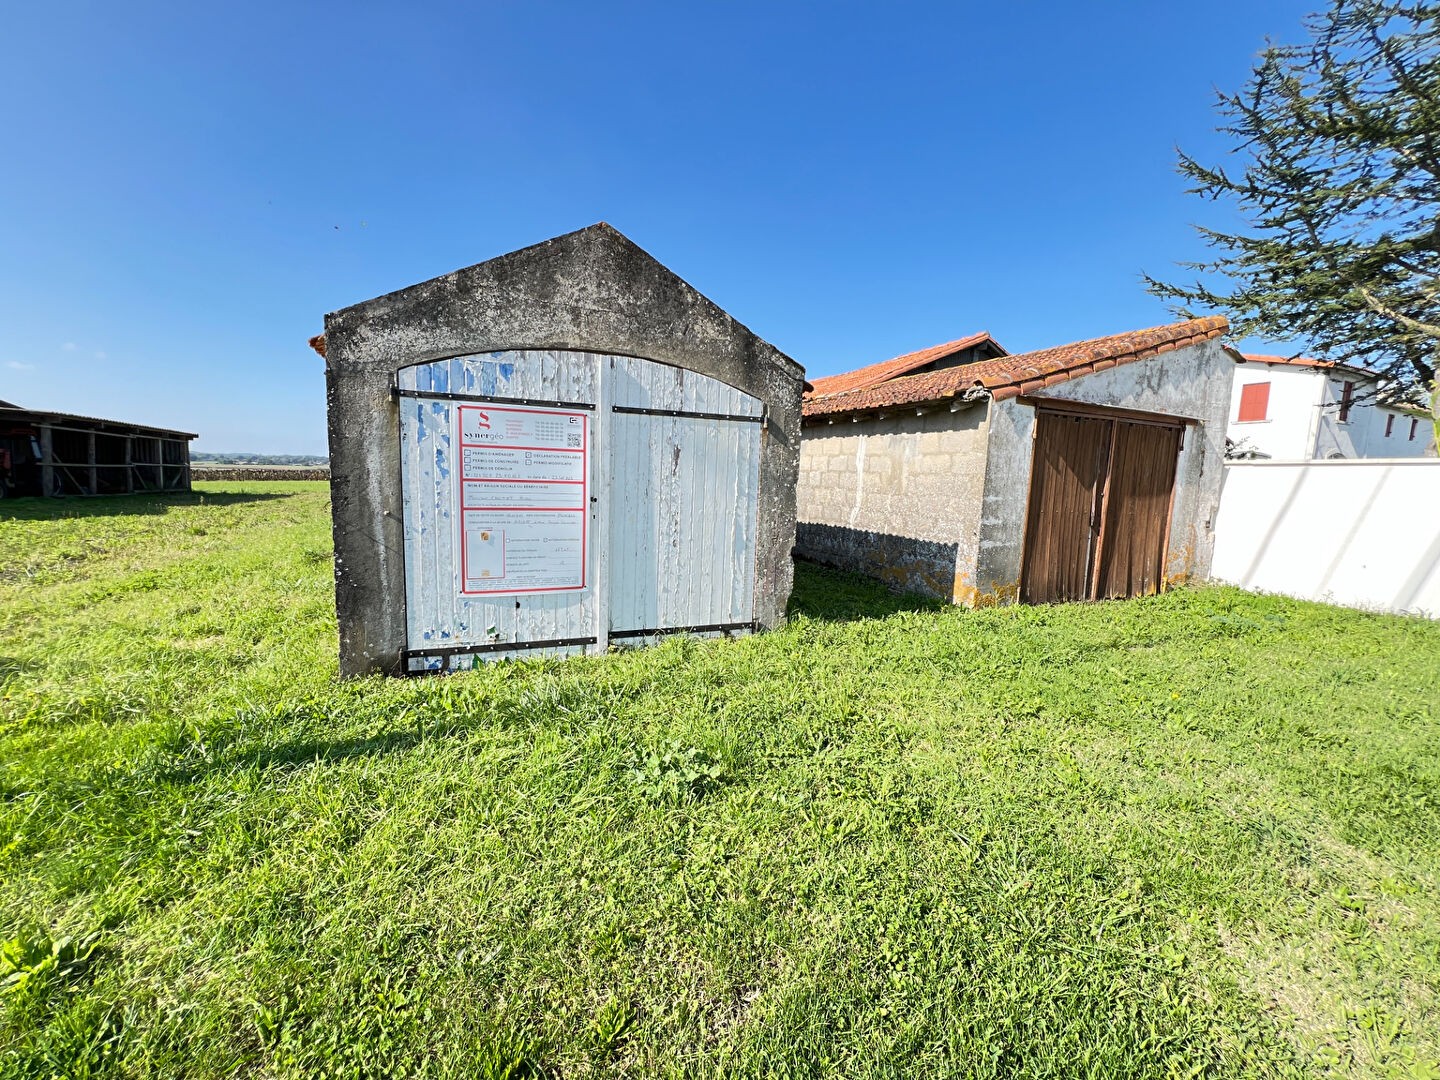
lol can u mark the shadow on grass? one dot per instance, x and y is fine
(820, 593)
(37, 509)
(287, 757)
(829, 595)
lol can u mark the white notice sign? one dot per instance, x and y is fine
(524, 499)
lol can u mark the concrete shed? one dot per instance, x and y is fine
(1086, 471)
(560, 449)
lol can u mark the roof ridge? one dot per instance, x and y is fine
(1021, 373)
(1306, 361)
(898, 366)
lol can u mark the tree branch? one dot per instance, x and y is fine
(1378, 306)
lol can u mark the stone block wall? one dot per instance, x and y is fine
(896, 497)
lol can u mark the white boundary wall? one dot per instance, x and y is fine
(1363, 533)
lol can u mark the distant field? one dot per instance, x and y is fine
(1194, 835)
(209, 470)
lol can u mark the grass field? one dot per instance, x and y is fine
(1193, 835)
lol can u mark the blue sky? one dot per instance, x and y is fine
(186, 190)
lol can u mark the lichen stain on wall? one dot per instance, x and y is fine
(910, 576)
(1180, 559)
(967, 595)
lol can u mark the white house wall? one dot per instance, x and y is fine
(1302, 419)
(1363, 533)
(1362, 435)
(1288, 431)
(1399, 444)
(1354, 437)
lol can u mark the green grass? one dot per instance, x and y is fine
(1193, 835)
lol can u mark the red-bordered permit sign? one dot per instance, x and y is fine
(524, 494)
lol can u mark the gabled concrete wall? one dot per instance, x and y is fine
(1193, 381)
(896, 496)
(590, 291)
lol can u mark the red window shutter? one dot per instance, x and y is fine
(1389, 425)
(1254, 400)
(1347, 398)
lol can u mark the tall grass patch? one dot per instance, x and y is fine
(1187, 835)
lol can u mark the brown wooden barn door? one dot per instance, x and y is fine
(1137, 510)
(1066, 492)
(1099, 513)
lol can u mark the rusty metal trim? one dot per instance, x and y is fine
(712, 628)
(687, 415)
(445, 396)
(444, 652)
(1107, 412)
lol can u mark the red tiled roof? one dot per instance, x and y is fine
(318, 344)
(1010, 376)
(1303, 361)
(900, 365)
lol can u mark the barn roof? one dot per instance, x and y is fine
(15, 414)
(1024, 373)
(886, 370)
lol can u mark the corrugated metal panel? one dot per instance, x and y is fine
(1067, 477)
(671, 546)
(685, 502)
(437, 615)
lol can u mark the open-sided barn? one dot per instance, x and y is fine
(51, 453)
(1086, 471)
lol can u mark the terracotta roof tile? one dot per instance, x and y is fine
(1009, 376)
(900, 365)
(1304, 361)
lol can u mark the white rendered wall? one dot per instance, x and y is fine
(1288, 431)
(1374, 443)
(1363, 533)
(1353, 437)
(1362, 435)
(1302, 420)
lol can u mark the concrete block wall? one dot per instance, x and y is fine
(895, 496)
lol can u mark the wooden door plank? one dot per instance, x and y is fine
(1136, 522)
(1067, 469)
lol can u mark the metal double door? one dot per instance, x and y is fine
(556, 503)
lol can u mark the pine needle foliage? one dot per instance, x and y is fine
(1339, 186)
